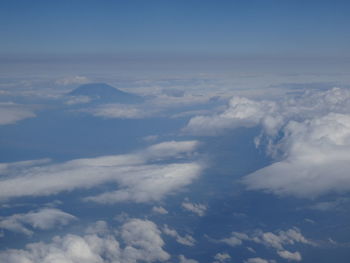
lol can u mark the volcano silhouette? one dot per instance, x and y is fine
(102, 92)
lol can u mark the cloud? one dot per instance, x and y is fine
(292, 256)
(317, 159)
(276, 241)
(222, 257)
(72, 80)
(11, 113)
(72, 100)
(160, 210)
(141, 238)
(43, 219)
(241, 112)
(147, 180)
(257, 260)
(143, 241)
(198, 209)
(183, 259)
(120, 111)
(308, 135)
(186, 240)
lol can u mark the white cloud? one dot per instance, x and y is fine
(292, 256)
(276, 241)
(235, 239)
(257, 260)
(198, 209)
(141, 238)
(145, 182)
(183, 259)
(222, 257)
(45, 218)
(241, 112)
(308, 134)
(72, 80)
(143, 241)
(120, 111)
(160, 210)
(149, 183)
(72, 100)
(11, 113)
(186, 240)
(317, 155)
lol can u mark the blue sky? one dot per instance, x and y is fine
(277, 28)
(174, 131)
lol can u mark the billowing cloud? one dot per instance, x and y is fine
(186, 240)
(43, 219)
(146, 179)
(141, 239)
(291, 256)
(241, 112)
(308, 134)
(317, 159)
(11, 113)
(198, 209)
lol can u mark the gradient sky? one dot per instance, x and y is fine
(264, 27)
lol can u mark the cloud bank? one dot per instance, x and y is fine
(141, 239)
(11, 113)
(139, 177)
(308, 135)
(43, 219)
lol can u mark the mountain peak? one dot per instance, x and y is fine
(105, 93)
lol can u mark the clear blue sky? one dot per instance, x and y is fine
(263, 27)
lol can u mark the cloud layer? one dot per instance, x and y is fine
(276, 241)
(308, 135)
(141, 176)
(43, 219)
(141, 239)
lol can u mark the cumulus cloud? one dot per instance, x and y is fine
(221, 257)
(146, 179)
(292, 256)
(183, 259)
(276, 241)
(141, 239)
(308, 134)
(160, 210)
(241, 112)
(11, 113)
(186, 240)
(43, 219)
(198, 209)
(317, 159)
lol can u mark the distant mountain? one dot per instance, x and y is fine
(102, 92)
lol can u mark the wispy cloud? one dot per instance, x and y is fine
(148, 179)
(43, 219)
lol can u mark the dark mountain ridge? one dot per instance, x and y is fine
(103, 92)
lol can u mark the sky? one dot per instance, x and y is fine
(236, 28)
(174, 131)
